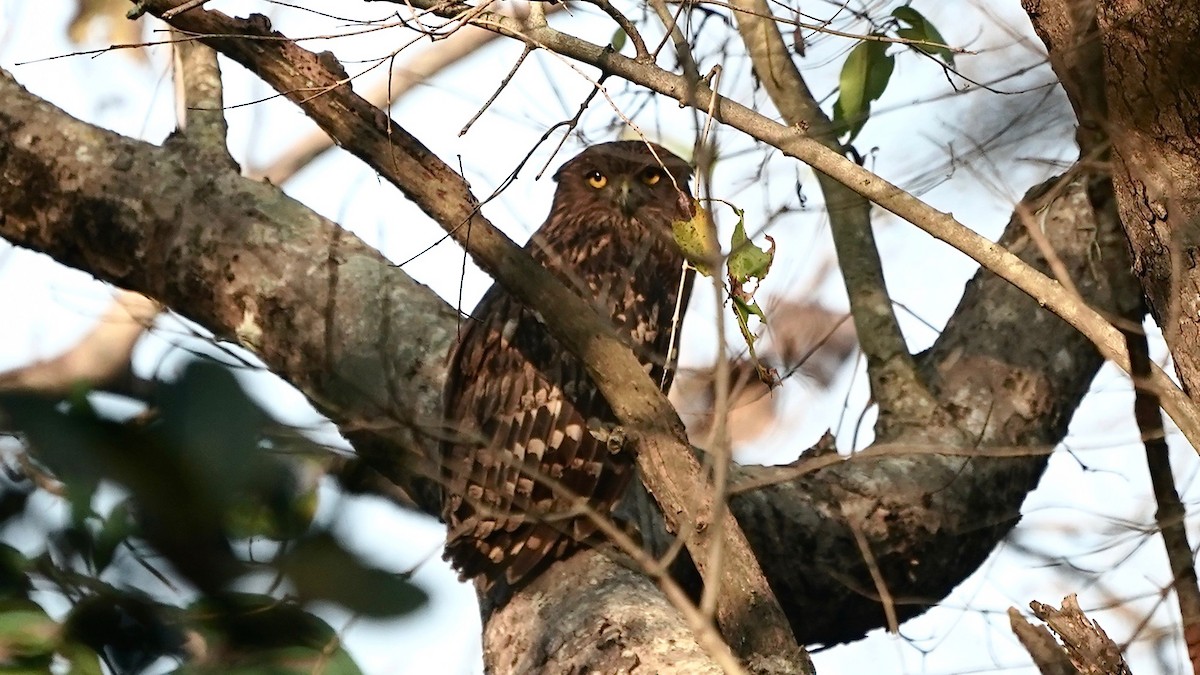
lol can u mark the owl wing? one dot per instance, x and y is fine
(524, 460)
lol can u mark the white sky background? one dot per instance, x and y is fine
(1093, 506)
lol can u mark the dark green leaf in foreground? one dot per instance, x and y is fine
(321, 569)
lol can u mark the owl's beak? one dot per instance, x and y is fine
(627, 198)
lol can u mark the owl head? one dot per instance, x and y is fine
(625, 178)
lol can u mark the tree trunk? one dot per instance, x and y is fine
(1151, 72)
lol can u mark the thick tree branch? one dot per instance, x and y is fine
(613, 620)
(1130, 81)
(1075, 44)
(935, 504)
(200, 98)
(1068, 28)
(1152, 78)
(328, 313)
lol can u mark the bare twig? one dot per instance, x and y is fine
(720, 450)
(635, 38)
(1171, 510)
(822, 27)
(404, 77)
(190, 4)
(1034, 226)
(683, 50)
(503, 83)
(885, 594)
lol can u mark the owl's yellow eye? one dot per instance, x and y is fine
(652, 176)
(596, 179)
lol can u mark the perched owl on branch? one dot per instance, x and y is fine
(526, 416)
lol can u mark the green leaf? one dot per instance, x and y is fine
(743, 309)
(852, 83)
(747, 261)
(864, 77)
(129, 627)
(38, 665)
(81, 659)
(14, 573)
(118, 527)
(618, 39)
(925, 34)
(214, 426)
(262, 635)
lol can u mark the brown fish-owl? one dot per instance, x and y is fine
(524, 412)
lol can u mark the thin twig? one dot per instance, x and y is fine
(503, 83)
(190, 4)
(1037, 232)
(635, 38)
(404, 77)
(1171, 510)
(683, 50)
(885, 594)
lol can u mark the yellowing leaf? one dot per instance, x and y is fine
(697, 239)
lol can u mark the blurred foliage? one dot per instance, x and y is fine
(199, 476)
(106, 22)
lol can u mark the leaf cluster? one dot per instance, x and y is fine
(869, 66)
(201, 476)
